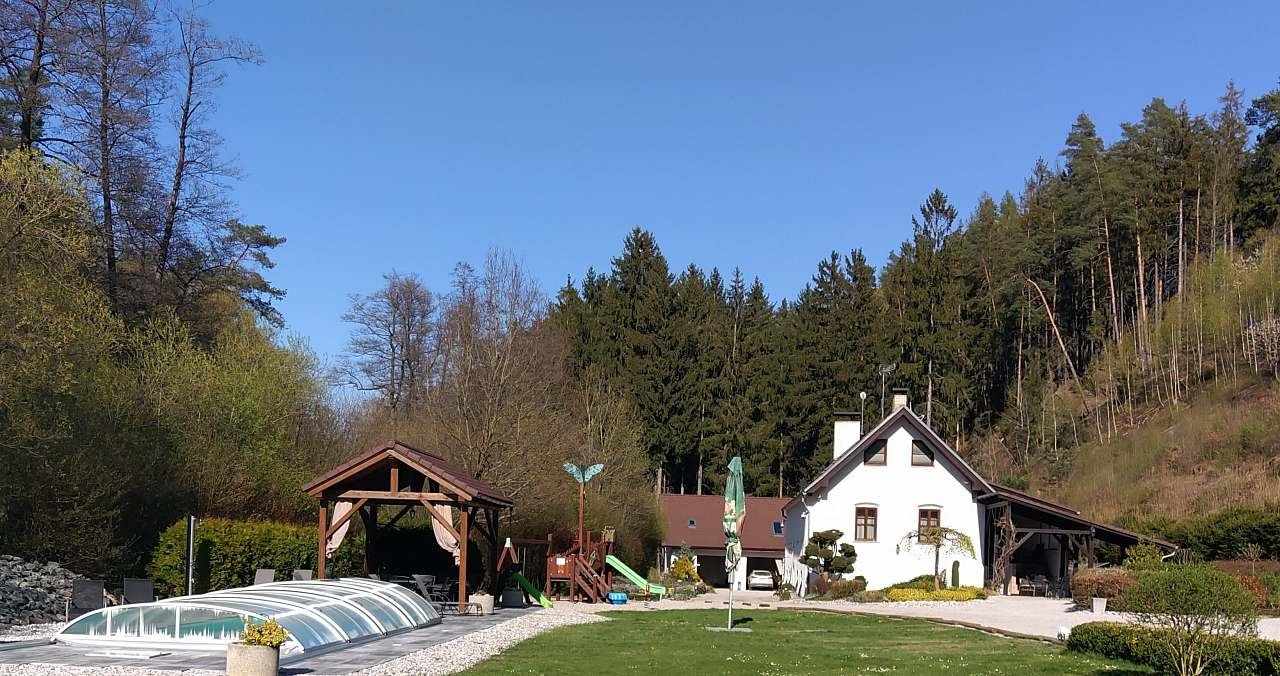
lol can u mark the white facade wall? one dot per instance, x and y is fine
(898, 490)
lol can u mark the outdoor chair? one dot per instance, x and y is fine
(138, 590)
(425, 585)
(264, 575)
(86, 595)
(302, 574)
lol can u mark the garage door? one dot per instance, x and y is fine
(711, 570)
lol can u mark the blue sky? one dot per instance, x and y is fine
(410, 135)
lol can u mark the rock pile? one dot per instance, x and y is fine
(32, 592)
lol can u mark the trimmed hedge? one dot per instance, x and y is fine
(1147, 646)
(1105, 583)
(228, 552)
(1224, 534)
(946, 594)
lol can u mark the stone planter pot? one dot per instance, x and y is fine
(1099, 605)
(252, 660)
(486, 603)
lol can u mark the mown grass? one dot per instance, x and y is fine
(785, 642)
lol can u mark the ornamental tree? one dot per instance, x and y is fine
(941, 540)
(825, 555)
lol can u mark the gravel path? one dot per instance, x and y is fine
(27, 632)
(460, 653)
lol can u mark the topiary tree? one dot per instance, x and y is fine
(941, 540)
(821, 556)
(1200, 607)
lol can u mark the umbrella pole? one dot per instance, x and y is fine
(730, 627)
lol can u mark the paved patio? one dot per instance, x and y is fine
(1012, 615)
(341, 661)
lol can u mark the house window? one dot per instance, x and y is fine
(693, 524)
(929, 519)
(777, 528)
(875, 455)
(864, 524)
(921, 456)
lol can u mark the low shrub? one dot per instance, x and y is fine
(948, 594)
(868, 596)
(843, 589)
(269, 634)
(921, 582)
(785, 591)
(1105, 583)
(1231, 656)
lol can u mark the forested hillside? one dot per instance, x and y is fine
(1112, 285)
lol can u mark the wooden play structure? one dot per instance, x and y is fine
(582, 570)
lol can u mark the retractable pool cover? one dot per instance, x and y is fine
(316, 613)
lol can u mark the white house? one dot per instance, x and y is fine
(901, 476)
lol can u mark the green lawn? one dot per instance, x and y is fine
(784, 642)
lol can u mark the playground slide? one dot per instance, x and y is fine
(634, 578)
(533, 592)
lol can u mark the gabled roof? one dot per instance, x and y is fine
(907, 417)
(707, 512)
(452, 479)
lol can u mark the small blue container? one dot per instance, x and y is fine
(617, 598)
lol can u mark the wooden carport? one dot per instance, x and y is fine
(397, 474)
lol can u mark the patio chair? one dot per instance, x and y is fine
(86, 595)
(264, 575)
(425, 584)
(302, 574)
(138, 590)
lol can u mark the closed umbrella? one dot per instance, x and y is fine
(735, 511)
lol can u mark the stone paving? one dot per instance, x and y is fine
(342, 661)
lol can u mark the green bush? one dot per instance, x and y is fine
(1105, 583)
(228, 552)
(950, 594)
(1143, 557)
(1232, 656)
(1272, 583)
(1222, 535)
(921, 582)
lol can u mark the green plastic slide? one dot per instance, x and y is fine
(634, 578)
(533, 592)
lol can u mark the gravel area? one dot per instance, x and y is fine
(460, 653)
(27, 632)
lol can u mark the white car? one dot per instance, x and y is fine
(760, 579)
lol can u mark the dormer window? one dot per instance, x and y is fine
(777, 528)
(693, 523)
(876, 454)
(921, 456)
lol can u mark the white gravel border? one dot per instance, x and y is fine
(466, 651)
(28, 632)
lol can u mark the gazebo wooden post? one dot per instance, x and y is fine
(322, 553)
(462, 558)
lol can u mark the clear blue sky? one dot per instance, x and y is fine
(412, 135)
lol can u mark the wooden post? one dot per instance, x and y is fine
(322, 554)
(495, 547)
(395, 476)
(462, 558)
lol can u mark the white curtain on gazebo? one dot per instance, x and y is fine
(443, 537)
(340, 509)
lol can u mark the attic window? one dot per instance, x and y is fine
(693, 524)
(875, 455)
(777, 528)
(921, 456)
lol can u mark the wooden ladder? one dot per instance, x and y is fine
(592, 584)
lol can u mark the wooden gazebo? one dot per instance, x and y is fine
(397, 474)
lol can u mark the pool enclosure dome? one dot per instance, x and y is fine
(317, 614)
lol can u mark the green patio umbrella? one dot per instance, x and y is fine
(735, 511)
